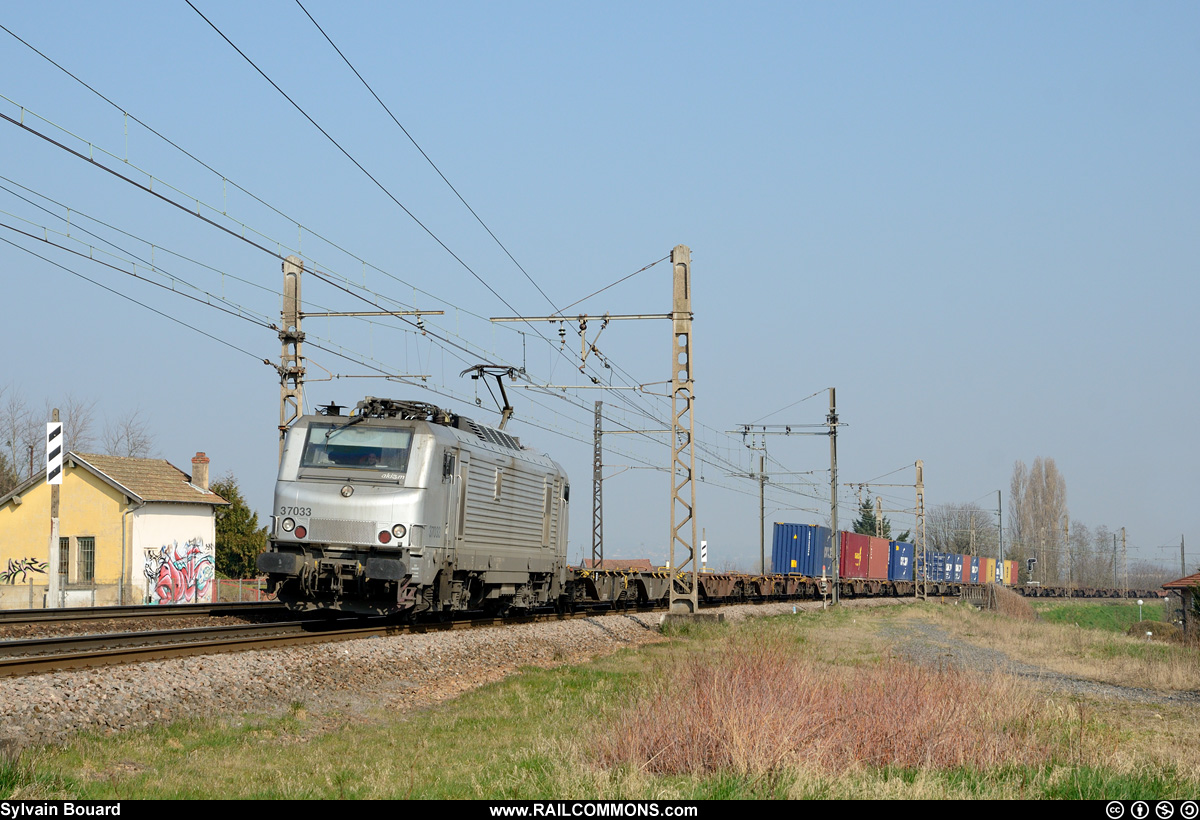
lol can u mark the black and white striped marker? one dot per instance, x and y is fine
(54, 452)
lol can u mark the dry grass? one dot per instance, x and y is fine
(760, 707)
(1011, 605)
(1105, 657)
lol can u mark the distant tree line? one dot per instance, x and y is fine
(1067, 551)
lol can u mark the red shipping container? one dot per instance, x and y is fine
(856, 550)
(877, 564)
(1012, 572)
(966, 573)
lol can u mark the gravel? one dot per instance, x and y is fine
(930, 645)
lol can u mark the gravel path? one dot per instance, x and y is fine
(930, 645)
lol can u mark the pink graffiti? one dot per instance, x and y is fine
(180, 578)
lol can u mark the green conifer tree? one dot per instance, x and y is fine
(239, 538)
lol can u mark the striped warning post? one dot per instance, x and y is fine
(54, 452)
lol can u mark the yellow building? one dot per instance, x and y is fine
(131, 530)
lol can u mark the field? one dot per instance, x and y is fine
(925, 701)
(1114, 616)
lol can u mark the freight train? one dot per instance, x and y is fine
(405, 508)
(873, 566)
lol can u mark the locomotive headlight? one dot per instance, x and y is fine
(347, 491)
(399, 530)
(288, 525)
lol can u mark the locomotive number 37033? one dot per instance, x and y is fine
(295, 510)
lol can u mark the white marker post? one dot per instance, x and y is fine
(54, 471)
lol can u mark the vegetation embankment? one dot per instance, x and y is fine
(797, 706)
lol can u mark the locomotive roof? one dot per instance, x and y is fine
(376, 408)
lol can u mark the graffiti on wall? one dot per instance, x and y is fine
(19, 569)
(180, 574)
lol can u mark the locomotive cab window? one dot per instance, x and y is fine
(371, 449)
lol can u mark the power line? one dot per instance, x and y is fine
(135, 301)
(359, 165)
(422, 150)
(648, 413)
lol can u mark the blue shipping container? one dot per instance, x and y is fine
(799, 549)
(900, 561)
(975, 569)
(935, 566)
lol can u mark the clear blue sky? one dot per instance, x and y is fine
(977, 221)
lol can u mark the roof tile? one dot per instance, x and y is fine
(153, 479)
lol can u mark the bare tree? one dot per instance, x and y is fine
(966, 529)
(1081, 568)
(78, 418)
(128, 436)
(19, 431)
(1038, 511)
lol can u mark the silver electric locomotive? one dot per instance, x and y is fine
(406, 507)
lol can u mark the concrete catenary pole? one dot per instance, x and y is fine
(685, 588)
(832, 421)
(597, 492)
(291, 360)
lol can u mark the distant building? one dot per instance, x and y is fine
(1182, 597)
(131, 530)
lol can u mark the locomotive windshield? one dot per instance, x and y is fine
(358, 447)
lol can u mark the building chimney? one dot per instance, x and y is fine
(200, 471)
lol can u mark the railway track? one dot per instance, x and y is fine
(139, 612)
(41, 655)
(32, 656)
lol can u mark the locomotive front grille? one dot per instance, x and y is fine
(337, 530)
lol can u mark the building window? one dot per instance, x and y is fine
(87, 559)
(64, 559)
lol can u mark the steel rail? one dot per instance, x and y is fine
(42, 655)
(31, 616)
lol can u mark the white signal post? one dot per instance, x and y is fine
(54, 471)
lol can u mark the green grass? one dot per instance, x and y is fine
(1116, 616)
(545, 733)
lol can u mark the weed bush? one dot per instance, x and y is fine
(757, 706)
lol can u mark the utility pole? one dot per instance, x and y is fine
(762, 511)
(920, 554)
(752, 430)
(1182, 562)
(291, 359)
(597, 493)
(1114, 561)
(831, 421)
(999, 526)
(878, 516)
(685, 589)
(1124, 561)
